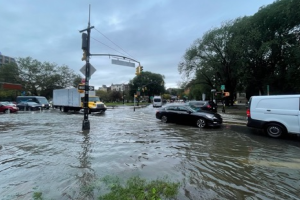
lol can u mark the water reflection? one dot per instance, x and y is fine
(87, 175)
(48, 152)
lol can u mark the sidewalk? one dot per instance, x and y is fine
(236, 114)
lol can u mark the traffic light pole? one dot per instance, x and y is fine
(86, 48)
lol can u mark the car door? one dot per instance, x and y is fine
(184, 116)
(171, 113)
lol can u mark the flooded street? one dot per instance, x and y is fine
(48, 152)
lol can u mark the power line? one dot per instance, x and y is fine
(113, 42)
(108, 46)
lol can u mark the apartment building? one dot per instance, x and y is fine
(6, 59)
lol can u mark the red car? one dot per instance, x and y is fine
(8, 108)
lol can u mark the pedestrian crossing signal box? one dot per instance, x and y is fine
(226, 94)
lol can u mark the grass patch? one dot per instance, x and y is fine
(137, 188)
(37, 196)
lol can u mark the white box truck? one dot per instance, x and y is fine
(275, 114)
(71, 99)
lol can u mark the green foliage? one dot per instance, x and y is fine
(9, 73)
(249, 53)
(166, 96)
(154, 84)
(38, 78)
(139, 189)
(37, 196)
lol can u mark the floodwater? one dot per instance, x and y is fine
(48, 152)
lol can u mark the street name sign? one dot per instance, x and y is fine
(82, 87)
(120, 62)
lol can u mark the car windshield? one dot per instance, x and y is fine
(194, 107)
(94, 99)
(189, 108)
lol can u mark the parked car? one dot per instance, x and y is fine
(7, 108)
(23, 105)
(37, 99)
(184, 114)
(203, 105)
(8, 103)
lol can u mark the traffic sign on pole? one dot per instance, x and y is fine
(92, 70)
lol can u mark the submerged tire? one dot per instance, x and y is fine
(275, 130)
(201, 123)
(164, 119)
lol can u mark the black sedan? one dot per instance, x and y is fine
(29, 106)
(184, 114)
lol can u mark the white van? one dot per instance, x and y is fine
(276, 114)
(157, 101)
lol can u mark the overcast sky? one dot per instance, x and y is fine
(154, 32)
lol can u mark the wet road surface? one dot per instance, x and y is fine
(48, 152)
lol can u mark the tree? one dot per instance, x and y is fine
(103, 95)
(151, 83)
(39, 78)
(9, 73)
(115, 96)
(211, 60)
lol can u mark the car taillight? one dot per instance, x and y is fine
(248, 113)
(208, 106)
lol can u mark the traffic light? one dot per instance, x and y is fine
(137, 72)
(141, 69)
(83, 55)
(84, 44)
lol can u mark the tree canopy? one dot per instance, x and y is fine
(147, 83)
(38, 78)
(249, 53)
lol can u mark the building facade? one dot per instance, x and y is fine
(119, 87)
(6, 59)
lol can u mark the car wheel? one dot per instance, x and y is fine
(274, 130)
(201, 123)
(164, 119)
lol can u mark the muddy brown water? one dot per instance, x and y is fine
(48, 152)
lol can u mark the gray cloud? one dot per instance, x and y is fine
(156, 33)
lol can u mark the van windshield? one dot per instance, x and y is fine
(42, 100)
(157, 100)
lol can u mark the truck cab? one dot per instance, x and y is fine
(94, 104)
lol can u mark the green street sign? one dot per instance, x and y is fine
(222, 87)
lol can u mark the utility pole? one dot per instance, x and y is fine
(86, 57)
